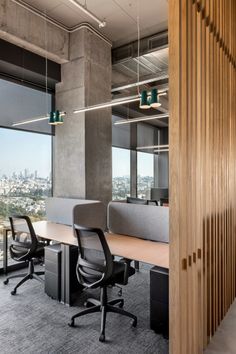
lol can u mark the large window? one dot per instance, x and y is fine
(137, 168)
(145, 174)
(120, 173)
(25, 175)
(25, 157)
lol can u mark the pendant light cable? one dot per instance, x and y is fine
(46, 60)
(138, 31)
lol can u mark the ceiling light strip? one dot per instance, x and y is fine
(144, 82)
(33, 120)
(108, 104)
(141, 119)
(89, 13)
(152, 147)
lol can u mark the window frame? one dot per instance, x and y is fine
(50, 91)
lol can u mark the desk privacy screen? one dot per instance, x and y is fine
(69, 211)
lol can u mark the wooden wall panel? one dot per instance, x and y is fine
(202, 169)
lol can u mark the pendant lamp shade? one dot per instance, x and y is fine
(52, 119)
(58, 117)
(144, 104)
(154, 102)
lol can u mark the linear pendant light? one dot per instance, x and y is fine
(38, 119)
(108, 104)
(141, 119)
(152, 147)
(89, 13)
(165, 150)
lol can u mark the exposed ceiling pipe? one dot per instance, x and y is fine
(83, 8)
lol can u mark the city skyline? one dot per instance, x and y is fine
(25, 173)
(19, 156)
(121, 163)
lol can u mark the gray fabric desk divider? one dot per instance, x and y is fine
(143, 221)
(68, 211)
(91, 215)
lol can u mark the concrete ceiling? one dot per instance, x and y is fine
(120, 16)
(153, 73)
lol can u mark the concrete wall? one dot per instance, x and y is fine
(25, 29)
(83, 143)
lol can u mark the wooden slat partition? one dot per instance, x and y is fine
(202, 70)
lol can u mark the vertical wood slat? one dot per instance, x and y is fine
(202, 169)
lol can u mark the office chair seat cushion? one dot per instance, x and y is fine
(19, 249)
(117, 275)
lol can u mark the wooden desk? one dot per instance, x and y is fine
(155, 253)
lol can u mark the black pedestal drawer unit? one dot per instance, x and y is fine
(53, 271)
(159, 300)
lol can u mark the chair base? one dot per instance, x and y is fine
(25, 276)
(104, 307)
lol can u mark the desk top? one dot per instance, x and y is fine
(156, 253)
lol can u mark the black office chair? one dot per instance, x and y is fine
(96, 268)
(25, 248)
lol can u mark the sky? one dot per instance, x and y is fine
(121, 163)
(20, 150)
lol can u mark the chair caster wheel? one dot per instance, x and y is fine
(134, 324)
(13, 292)
(102, 338)
(71, 323)
(6, 282)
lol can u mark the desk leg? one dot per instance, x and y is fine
(136, 266)
(5, 250)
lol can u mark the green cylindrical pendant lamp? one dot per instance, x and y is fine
(52, 119)
(58, 118)
(144, 104)
(154, 102)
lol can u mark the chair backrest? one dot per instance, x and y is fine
(25, 241)
(95, 263)
(133, 200)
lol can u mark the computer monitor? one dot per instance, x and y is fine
(159, 193)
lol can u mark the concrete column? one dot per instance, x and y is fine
(82, 145)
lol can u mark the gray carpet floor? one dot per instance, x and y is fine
(31, 322)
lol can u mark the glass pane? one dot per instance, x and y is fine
(25, 175)
(19, 103)
(120, 134)
(120, 173)
(145, 174)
